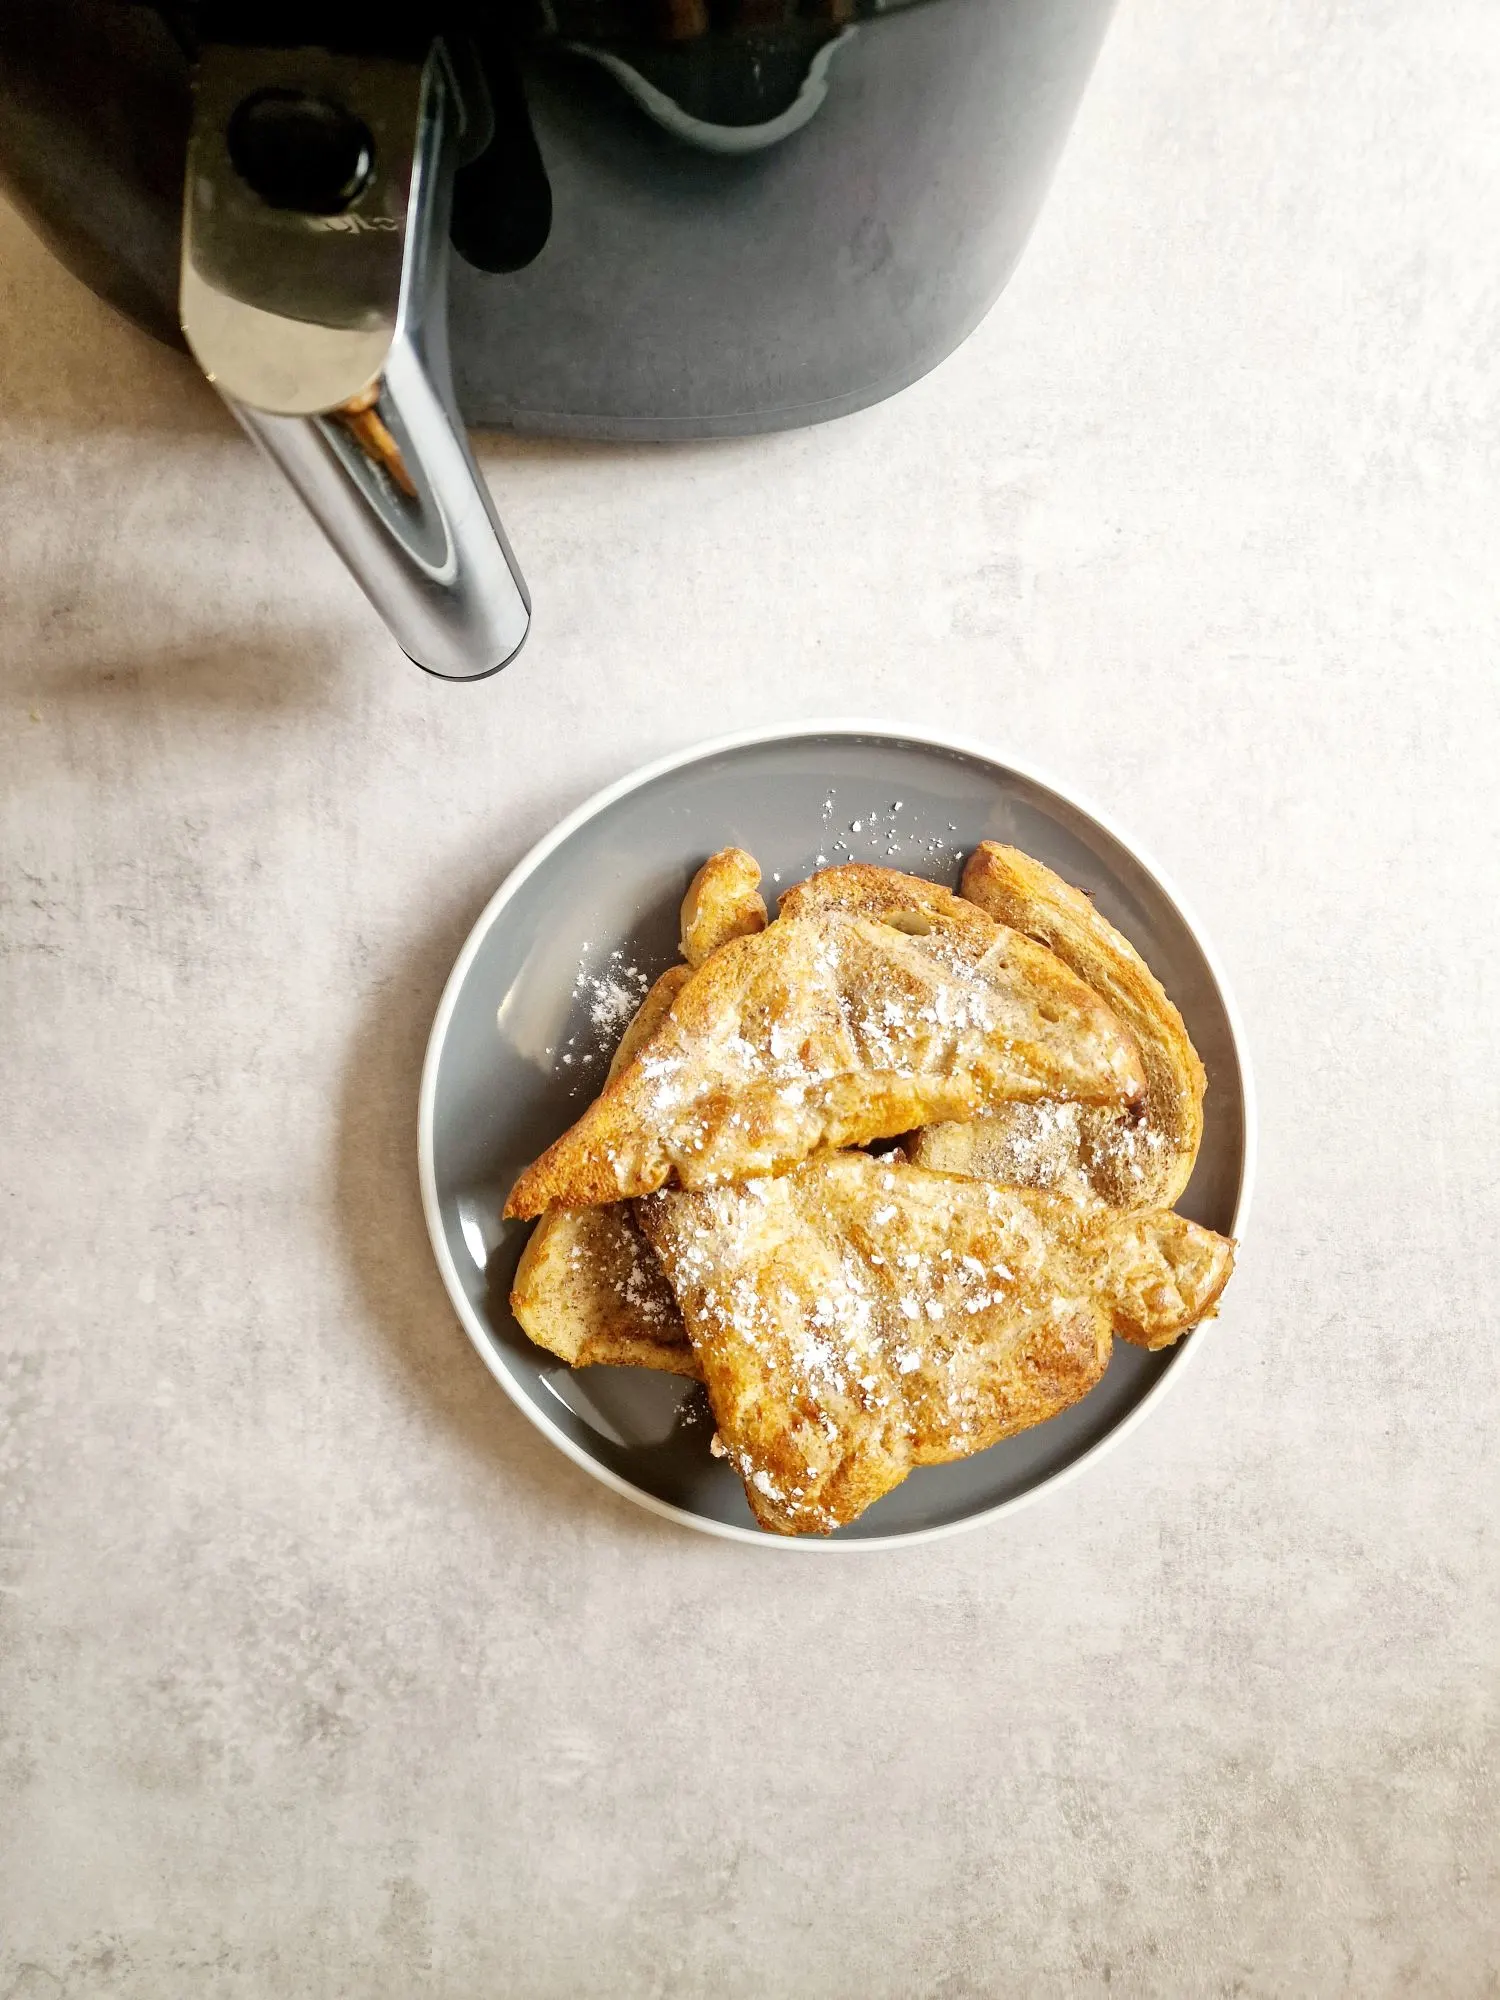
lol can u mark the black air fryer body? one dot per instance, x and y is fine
(729, 215)
(671, 219)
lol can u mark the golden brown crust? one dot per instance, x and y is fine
(1142, 1159)
(1163, 1276)
(862, 889)
(1136, 1157)
(589, 1289)
(844, 1249)
(721, 903)
(832, 1030)
(648, 1017)
(856, 1317)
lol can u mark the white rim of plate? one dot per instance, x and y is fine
(889, 732)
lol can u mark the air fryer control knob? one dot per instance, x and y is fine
(299, 151)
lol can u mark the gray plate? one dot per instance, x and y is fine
(517, 1051)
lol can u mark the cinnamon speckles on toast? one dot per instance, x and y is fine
(832, 1030)
(854, 1317)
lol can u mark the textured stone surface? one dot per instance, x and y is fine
(320, 1672)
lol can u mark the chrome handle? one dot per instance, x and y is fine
(313, 294)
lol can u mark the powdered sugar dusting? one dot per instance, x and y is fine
(613, 995)
(877, 831)
(825, 1353)
(869, 1318)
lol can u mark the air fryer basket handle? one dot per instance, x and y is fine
(314, 280)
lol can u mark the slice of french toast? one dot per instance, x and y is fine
(723, 902)
(1139, 1159)
(834, 1029)
(856, 1317)
(588, 1287)
(1136, 1156)
(590, 1290)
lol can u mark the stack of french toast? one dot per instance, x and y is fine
(888, 1175)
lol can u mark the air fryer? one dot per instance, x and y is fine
(666, 218)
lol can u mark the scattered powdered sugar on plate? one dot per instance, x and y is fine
(611, 995)
(878, 832)
(613, 991)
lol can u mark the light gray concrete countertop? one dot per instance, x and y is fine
(321, 1673)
